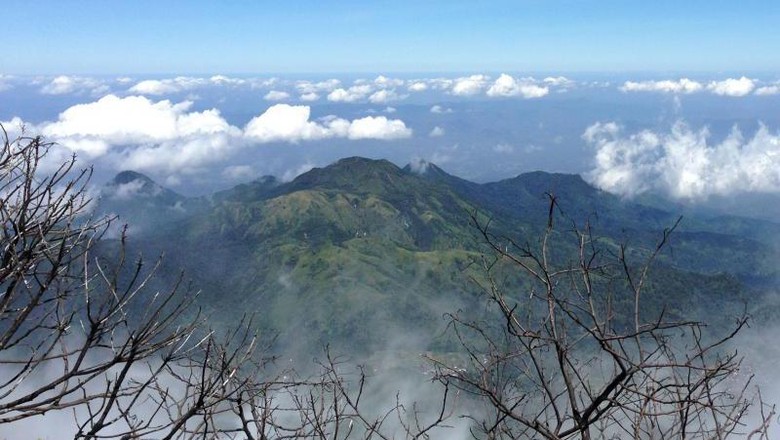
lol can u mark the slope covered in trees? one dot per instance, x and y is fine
(362, 252)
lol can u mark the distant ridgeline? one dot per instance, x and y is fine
(364, 254)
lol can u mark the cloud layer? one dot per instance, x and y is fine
(292, 123)
(731, 87)
(683, 163)
(139, 133)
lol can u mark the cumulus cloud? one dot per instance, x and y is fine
(683, 85)
(167, 86)
(276, 95)
(683, 163)
(559, 81)
(378, 128)
(768, 90)
(439, 109)
(418, 86)
(436, 132)
(64, 84)
(288, 123)
(141, 134)
(469, 86)
(135, 132)
(385, 95)
(507, 86)
(328, 85)
(308, 97)
(385, 82)
(92, 127)
(222, 80)
(352, 94)
(732, 87)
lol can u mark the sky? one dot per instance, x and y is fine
(676, 98)
(253, 36)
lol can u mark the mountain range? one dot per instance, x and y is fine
(367, 255)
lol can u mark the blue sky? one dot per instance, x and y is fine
(670, 97)
(243, 36)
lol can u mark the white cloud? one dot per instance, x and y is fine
(385, 95)
(390, 109)
(130, 190)
(378, 128)
(308, 97)
(297, 171)
(140, 134)
(135, 119)
(469, 86)
(436, 132)
(388, 83)
(559, 81)
(238, 172)
(418, 86)
(64, 84)
(276, 95)
(222, 80)
(16, 127)
(305, 87)
(507, 86)
(439, 109)
(288, 123)
(768, 90)
(135, 132)
(261, 83)
(683, 85)
(353, 94)
(683, 163)
(440, 83)
(419, 165)
(167, 86)
(732, 87)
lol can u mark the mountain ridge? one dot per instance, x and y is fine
(363, 241)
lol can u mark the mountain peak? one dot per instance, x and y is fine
(127, 176)
(358, 173)
(131, 184)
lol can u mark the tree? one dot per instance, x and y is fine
(577, 354)
(81, 331)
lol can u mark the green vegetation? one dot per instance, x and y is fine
(360, 252)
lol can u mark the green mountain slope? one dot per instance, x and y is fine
(365, 254)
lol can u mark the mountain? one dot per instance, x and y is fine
(368, 255)
(142, 203)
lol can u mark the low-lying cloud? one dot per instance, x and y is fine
(172, 85)
(64, 84)
(508, 86)
(683, 85)
(730, 87)
(469, 85)
(683, 163)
